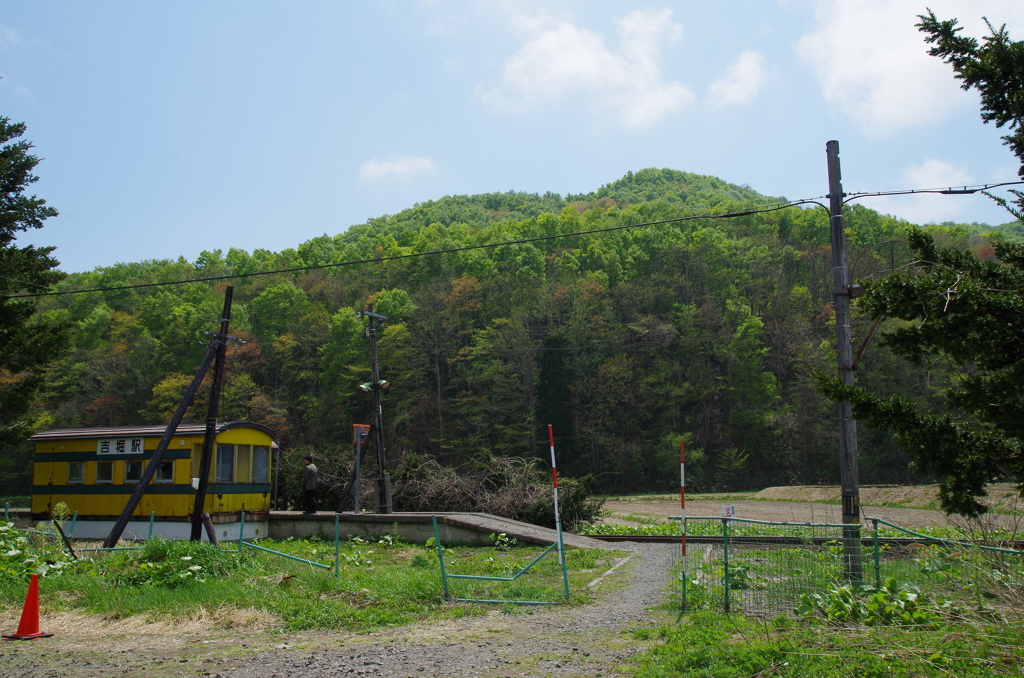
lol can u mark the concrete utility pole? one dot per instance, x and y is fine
(384, 480)
(849, 478)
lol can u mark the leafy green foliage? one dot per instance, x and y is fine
(968, 313)
(163, 562)
(625, 342)
(889, 603)
(28, 341)
(23, 554)
(381, 580)
(502, 541)
(711, 645)
(643, 530)
(960, 308)
(994, 68)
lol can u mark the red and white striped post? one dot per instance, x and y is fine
(554, 483)
(558, 514)
(682, 493)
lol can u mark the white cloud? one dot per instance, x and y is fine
(11, 39)
(923, 208)
(567, 63)
(872, 62)
(872, 65)
(404, 168)
(741, 83)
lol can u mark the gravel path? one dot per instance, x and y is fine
(590, 640)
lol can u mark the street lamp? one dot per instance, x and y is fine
(375, 386)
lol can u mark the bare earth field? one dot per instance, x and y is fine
(910, 507)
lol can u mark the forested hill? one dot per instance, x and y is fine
(694, 192)
(625, 341)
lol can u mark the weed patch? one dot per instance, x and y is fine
(712, 645)
(382, 581)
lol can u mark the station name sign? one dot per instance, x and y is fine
(119, 446)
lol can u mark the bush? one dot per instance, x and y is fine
(511, 487)
(891, 603)
(163, 562)
(22, 555)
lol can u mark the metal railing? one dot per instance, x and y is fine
(764, 568)
(446, 585)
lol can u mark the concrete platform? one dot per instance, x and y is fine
(454, 528)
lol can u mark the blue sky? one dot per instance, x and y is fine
(171, 128)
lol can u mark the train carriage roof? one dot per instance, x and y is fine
(143, 431)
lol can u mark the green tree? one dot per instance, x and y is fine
(966, 312)
(277, 310)
(27, 344)
(996, 69)
(970, 314)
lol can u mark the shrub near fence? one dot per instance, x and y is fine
(763, 569)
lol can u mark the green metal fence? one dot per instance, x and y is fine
(49, 533)
(765, 568)
(478, 588)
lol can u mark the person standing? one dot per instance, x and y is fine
(309, 480)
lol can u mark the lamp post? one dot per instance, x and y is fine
(376, 385)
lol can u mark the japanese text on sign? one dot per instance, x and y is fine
(119, 446)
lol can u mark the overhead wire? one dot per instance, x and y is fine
(630, 346)
(949, 190)
(410, 255)
(952, 190)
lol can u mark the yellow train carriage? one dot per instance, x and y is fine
(95, 470)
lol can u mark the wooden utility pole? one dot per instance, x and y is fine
(154, 462)
(219, 345)
(849, 479)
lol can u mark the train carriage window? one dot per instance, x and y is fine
(225, 464)
(260, 464)
(165, 472)
(243, 464)
(76, 472)
(104, 472)
(132, 471)
(197, 456)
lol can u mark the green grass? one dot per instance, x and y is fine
(15, 503)
(711, 496)
(543, 582)
(383, 582)
(713, 528)
(713, 645)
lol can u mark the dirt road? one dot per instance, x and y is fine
(592, 640)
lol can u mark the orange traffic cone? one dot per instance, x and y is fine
(28, 628)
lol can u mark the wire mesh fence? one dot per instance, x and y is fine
(764, 568)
